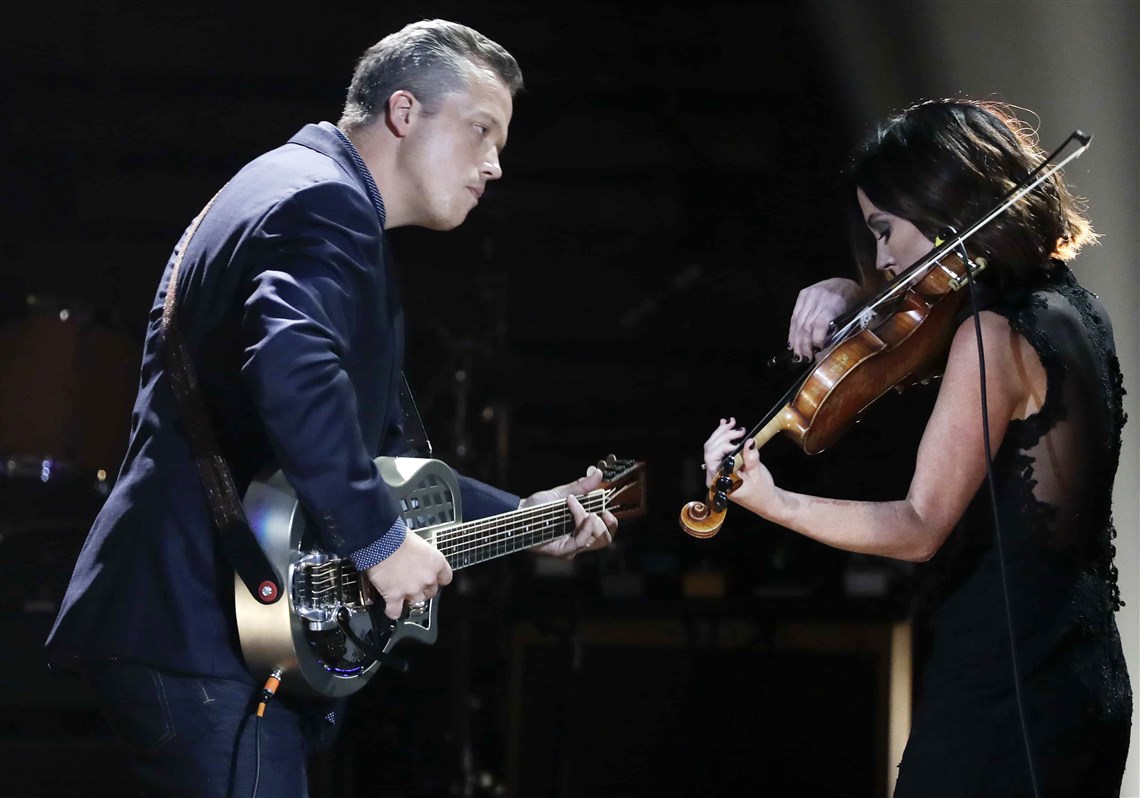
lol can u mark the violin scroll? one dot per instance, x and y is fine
(700, 520)
(704, 519)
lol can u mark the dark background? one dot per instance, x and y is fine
(672, 180)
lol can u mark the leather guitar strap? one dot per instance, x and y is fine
(238, 541)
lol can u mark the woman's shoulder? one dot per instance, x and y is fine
(1050, 300)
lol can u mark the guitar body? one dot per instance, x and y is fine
(326, 633)
(299, 633)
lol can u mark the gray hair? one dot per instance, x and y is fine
(426, 58)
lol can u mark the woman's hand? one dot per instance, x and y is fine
(756, 489)
(816, 307)
(719, 444)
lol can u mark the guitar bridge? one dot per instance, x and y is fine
(322, 584)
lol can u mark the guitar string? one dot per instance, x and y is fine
(454, 543)
(456, 539)
(478, 529)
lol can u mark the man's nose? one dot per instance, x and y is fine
(491, 166)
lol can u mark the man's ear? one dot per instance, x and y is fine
(402, 107)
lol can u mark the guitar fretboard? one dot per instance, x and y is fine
(498, 535)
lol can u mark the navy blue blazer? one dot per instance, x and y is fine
(292, 316)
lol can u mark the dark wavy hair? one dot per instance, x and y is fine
(947, 163)
(426, 58)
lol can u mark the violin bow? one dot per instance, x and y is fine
(841, 327)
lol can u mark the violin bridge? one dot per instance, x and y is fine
(957, 281)
(865, 317)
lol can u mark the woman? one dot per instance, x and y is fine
(1024, 689)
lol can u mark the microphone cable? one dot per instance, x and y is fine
(970, 268)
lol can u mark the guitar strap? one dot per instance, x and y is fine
(240, 545)
(413, 427)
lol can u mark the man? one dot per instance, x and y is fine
(293, 325)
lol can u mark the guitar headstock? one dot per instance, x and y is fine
(626, 478)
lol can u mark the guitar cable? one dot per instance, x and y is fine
(270, 689)
(970, 268)
(344, 623)
(273, 682)
(267, 693)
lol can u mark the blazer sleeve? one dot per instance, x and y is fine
(481, 500)
(315, 269)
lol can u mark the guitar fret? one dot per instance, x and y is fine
(478, 541)
(469, 546)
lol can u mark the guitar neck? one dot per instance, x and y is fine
(474, 542)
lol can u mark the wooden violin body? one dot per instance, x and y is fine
(904, 340)
(909, 346)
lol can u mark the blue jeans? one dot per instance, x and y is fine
(197, 737)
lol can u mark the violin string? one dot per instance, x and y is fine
(780, 405)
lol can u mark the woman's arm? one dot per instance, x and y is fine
(950, 464)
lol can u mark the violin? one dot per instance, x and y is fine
(898, 338)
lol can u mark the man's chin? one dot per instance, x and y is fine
(444, 225)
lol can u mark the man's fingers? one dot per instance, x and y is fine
(587, 483)
(577, 512)
(611, 522)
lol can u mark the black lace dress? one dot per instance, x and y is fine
(1053, 558)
